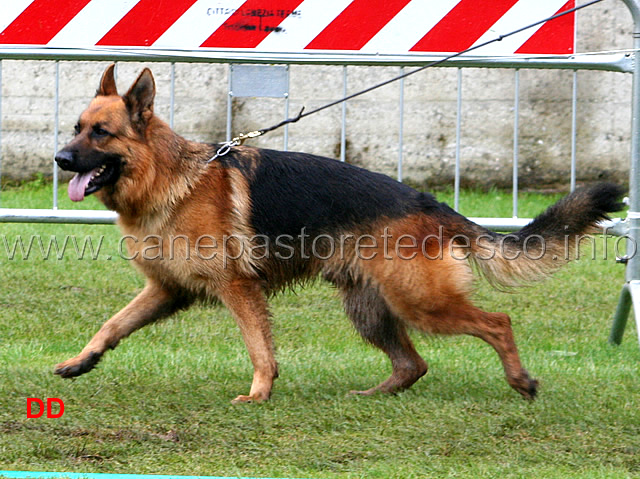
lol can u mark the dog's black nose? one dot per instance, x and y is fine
(64, 158)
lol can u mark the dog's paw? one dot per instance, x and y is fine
(367, 392)
(78, 365)
(531, 390)
(525, 385)
(249, 399)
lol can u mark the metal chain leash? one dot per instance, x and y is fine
(238, 140)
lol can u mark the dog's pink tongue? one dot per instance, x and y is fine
(78, 184)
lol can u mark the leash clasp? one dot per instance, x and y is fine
(238, 140)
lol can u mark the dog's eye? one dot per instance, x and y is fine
(77, 129)
(100, 132)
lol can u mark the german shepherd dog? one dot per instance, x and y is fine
(268, 220)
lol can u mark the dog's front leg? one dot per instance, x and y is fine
(153, 303)
(246, 301)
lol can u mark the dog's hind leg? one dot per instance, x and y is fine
(377, 325)
(432, 296)
(495, 329)
(154, 302)
(461, 317)
(246, 301)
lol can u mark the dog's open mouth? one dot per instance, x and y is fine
(83, 184)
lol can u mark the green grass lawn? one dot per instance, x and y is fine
(160, 402)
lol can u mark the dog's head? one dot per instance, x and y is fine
(108, 137)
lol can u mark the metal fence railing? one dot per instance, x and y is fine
(241, 76)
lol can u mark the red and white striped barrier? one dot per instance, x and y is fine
(389, 27)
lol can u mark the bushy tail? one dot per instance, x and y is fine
(546, 243)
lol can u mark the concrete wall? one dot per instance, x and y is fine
(372, 131)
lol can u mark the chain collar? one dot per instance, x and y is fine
(238, 140)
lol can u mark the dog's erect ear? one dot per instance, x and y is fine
(108, 82)
(139, 98)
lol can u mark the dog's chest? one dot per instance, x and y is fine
(201, 264)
